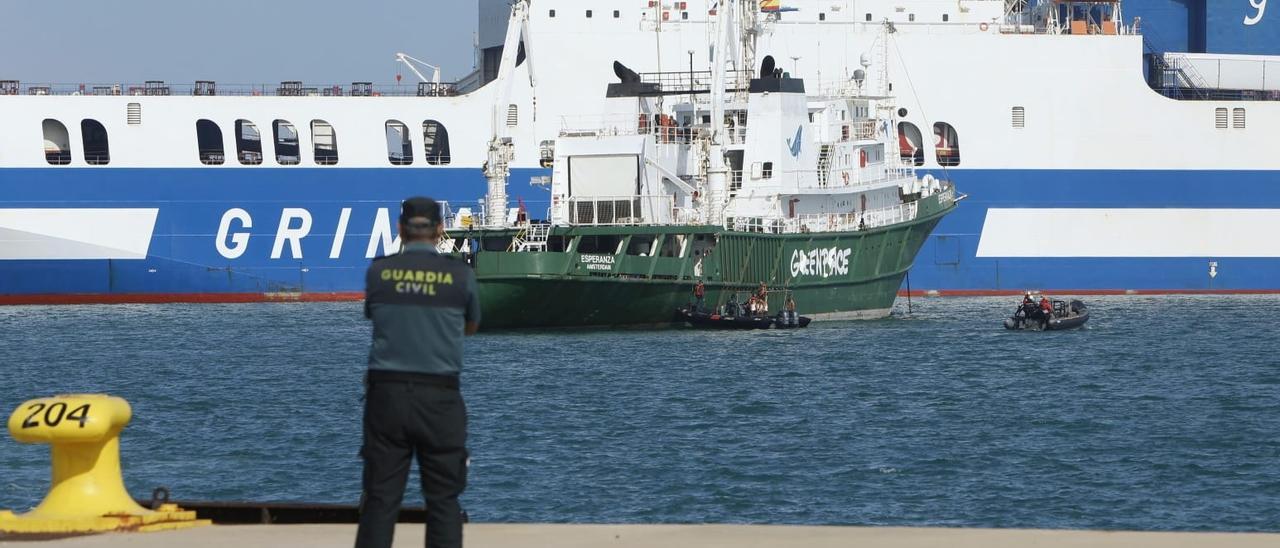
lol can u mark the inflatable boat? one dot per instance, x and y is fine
(1065, 316)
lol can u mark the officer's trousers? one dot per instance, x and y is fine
(402, 420)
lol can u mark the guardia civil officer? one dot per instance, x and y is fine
(421, 304)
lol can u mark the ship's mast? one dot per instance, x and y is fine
(717, 174)
(736, 32)
(497, 169)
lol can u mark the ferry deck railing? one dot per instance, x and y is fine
(205, 88)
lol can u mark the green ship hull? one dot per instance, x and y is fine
(645, 273)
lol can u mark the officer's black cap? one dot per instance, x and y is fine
(420, 212)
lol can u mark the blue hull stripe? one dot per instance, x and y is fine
(183, 257)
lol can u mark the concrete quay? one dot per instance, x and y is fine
(670, 536)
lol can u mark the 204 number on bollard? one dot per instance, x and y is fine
(79, 414)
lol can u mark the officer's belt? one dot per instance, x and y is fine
(376, 376)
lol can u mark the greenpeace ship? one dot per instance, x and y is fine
(1104, 146)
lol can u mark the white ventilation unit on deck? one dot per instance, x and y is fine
(512, 116)
(1237, 118)
(1220, 118)
(133, 114)
(1019, 117)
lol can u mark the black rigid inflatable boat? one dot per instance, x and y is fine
(1065, 316)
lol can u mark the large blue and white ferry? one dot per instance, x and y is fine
(1105, 147)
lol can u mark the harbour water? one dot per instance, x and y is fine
(1163, 414)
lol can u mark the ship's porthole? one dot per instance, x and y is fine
(902, 113)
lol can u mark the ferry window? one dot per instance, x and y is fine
(868, 17)
(684, 15)
(399, 147)
(435, 141)
(1237, 118)
(1019, 117)
(209, 142)
(96, 151)
(57, 145)
(822, 17)
(617, 14)
(588, 14)
(287, 153)
(325, 142)
(248, 143)
(946, 17)
(641, 245)
(946, 144)
(551, 13)
(1220, 118)
(910, 144)
(767, 170)
(911, 17)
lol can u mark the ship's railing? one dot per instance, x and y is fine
(844, 222)
(208, 88)
(663, 129)
(853, 178)
(632, 210)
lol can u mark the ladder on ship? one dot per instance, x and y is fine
(531, 238)
(824, 165)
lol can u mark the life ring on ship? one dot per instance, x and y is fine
(983, 27)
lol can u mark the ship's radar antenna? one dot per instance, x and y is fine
(405, 58)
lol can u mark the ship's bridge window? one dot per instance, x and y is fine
(287, 152)
(435, 142)
(399, 146)
(96, 150)
(946, 144)
(325, 142)
(910, 144)
(57, 145)
(209, 142)
(248, 143)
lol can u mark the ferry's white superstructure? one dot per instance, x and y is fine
(1081, 174)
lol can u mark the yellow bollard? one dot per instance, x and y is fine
(87, 491)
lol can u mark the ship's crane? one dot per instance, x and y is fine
(501, 150)
(406, 58)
